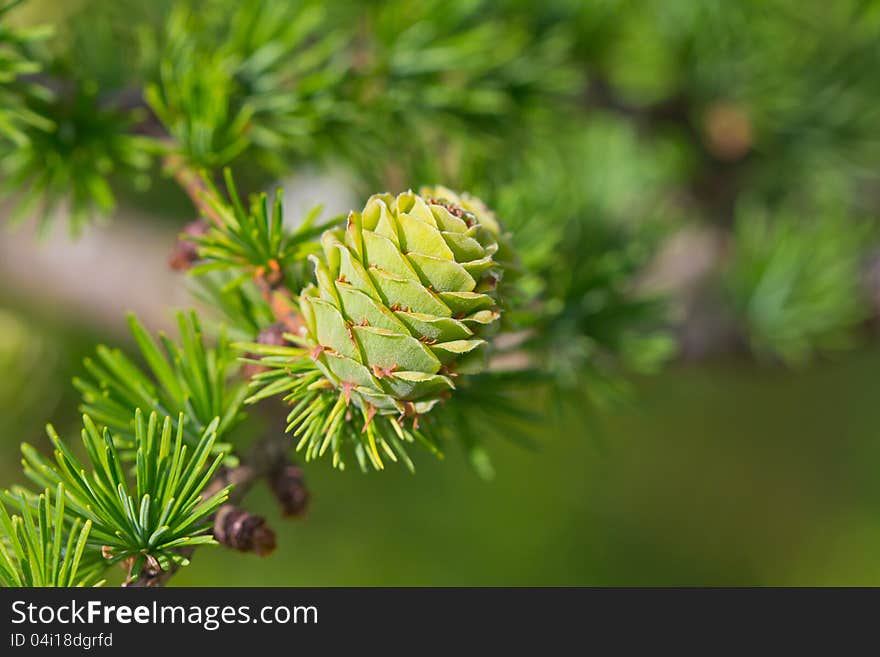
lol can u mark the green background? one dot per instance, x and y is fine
(726, 469)
(724, 475)
(716, 473)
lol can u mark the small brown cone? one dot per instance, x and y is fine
(241, 530)
(185, 253)
(288, 486)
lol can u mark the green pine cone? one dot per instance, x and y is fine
(405, 295)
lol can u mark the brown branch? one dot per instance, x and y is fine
(192, 183)
(280, 300)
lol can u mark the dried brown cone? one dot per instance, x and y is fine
(288, 486)
(241, 530)
(270, 335)
(186, 251)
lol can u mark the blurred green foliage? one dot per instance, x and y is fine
(72, 160)
(15, 90)
(628, 110)
(262, 76)
(25, 348)
(585, 234)
(796, 281)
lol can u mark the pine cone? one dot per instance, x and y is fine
(404, 297)
(287, 485)
(241, 530)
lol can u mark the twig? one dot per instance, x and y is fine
(269, 280)
(268, 455)
(191, 183)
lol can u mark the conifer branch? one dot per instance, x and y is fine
(424, 319)
(267, 456)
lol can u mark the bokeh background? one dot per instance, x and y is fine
(721, 158)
